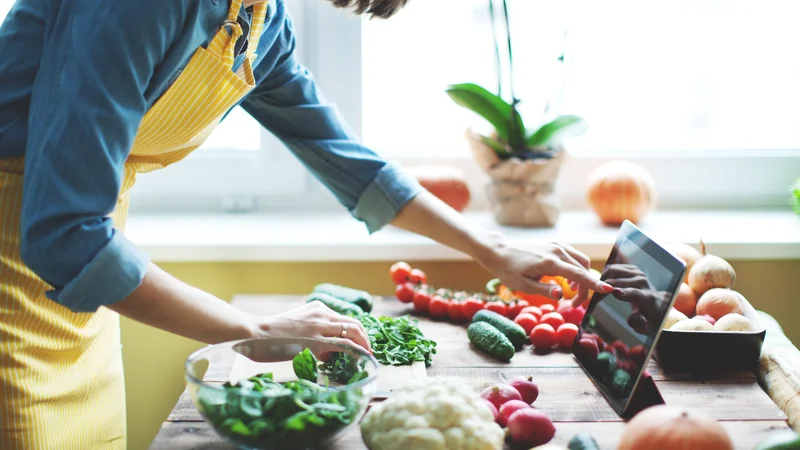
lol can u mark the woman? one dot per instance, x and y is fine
(93, 92)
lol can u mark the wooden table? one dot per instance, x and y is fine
(566, 394)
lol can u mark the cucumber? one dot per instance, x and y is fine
(355, 296)
(514, 332)
(582, 441)
(340, 306)
(490, 340)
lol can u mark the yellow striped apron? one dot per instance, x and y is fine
(61, 379)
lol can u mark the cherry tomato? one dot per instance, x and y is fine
(526, 321)
(400, 272)
(533, 310)
(438, 307)
(589, 346)
(498, 307)
(456, 312)
(543, 336)
(471, 307)
(421, 301)
(553, 318)
(547, 307)
(404, 292)
(565, 335)
(574, 316)
(619, 348)
(637, 353)
(516, 308)
(417, 276)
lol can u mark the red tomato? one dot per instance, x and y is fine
(589, 347)
(400, 272)
(574, 316)
(543, 336)
(516, 308)
(533, 310)
(619, 348)
(404, 292)
(417, 276)
(471, 307)
(565, 335)
(526, 321)
(553, 318)
(438, 307)
(498, 307)
(455, 310)
(547, 307)
(421, 301)
(638, 353)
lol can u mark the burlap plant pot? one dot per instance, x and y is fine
(521, 193)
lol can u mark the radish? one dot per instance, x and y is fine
(530, 427)
(509, 408)
(499, 394)
(491, 408)
(526, 388)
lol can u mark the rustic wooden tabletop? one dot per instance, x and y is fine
(566, 394)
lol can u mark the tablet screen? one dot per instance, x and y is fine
(625, 324)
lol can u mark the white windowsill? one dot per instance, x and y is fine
(333, 237)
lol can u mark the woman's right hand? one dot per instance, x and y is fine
(315, 320)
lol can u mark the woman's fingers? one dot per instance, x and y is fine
(579, 275)
(346, 330)
(534, 287)
(582, 259)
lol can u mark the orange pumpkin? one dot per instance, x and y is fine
(667, 427)
(620, 190)
(445, 183)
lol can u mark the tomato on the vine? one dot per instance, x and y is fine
(400, 272)
(456, 311)
(438, 307)
(421, 300)
(417, 276)
(498, 307)
(516, 308)
(471, 307)
(404, 292)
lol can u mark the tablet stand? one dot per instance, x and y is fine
(645, 396)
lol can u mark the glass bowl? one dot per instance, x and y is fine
(295, 406)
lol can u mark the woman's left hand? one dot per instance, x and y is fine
(521, 269)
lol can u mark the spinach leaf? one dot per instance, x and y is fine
(305, 365)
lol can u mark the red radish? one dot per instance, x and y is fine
(509, 408)
(589, 347)
(530, 427)
(526, 388)
(564, 307)
(499, 394)
(491, 408)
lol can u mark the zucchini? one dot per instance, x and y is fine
(489, 339)
(340, 306)
(355, 296)
(514, 332)
(582, 441)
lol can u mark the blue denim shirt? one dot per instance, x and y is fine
(77, 76)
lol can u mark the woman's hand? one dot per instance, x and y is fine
(521, 269)
(631, 285)
(315, 320)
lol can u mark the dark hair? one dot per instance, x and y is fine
(375, 8)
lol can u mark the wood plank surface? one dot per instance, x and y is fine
(567, 395)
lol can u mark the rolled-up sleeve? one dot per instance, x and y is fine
(289, 104)
(86, 105)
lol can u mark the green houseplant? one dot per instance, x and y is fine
(522, 162)
(795, 199)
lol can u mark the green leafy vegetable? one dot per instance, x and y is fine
(305, 365)
(260, 412)
(398, 341)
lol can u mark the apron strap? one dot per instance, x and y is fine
(228, 43)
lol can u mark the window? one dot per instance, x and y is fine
(703, 94)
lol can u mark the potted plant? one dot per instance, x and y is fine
(522, 161)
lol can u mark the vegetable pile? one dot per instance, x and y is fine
(395, 341)
(500, 321)
(262, 413)
(512, 406)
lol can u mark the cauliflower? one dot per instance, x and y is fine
(439, 413)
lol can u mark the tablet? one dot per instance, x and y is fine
(619, 330)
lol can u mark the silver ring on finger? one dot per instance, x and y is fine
(344, 330)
